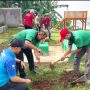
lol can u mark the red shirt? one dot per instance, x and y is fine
(28, 19)
(42, 21)
(47, 21)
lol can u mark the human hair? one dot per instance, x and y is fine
(44, 32)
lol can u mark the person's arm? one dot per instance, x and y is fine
(11, 72)
(17, 60)
(43, 26)
(21, 62)
(17, 79)
(37, 55)
(30, 45)
(74, 52)
(66, 53)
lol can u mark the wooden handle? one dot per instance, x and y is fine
(58, 60)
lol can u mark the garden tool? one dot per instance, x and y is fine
(54, 62)
(79, 80)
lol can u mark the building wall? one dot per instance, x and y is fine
(11, 17)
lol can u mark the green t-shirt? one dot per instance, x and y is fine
(80, 38)
(29, 35)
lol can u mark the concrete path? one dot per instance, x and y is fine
(55, 52)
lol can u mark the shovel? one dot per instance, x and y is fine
(54, 62)
(79, 80)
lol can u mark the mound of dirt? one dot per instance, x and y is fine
(65, 79)
(68, 77)
(43, 84)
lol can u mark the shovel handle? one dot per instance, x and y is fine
(59, 60)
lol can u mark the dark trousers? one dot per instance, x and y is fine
(49, 32)
(28, 52)
(14, 86)
(87, 61)
(27, 27)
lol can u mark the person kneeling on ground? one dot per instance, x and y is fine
(8, 78)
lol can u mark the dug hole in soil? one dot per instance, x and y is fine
(65, 79)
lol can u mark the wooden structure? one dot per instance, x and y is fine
(74, 15)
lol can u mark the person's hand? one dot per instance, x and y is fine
(28, 81)
(38, 58)
(69, 55)
(62, 58)
(22, 65)
(39, 51)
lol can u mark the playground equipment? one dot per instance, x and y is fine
(74, 15)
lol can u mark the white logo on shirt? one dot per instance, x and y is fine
(3, 54)
(13, 67)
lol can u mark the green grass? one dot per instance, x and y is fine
(6, 36)
(47, 73)
(9, 33)
(44, 71)
(54, 37)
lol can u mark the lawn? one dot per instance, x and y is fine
(46, 78)
(6, 36)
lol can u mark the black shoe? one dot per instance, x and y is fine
(36, 67)
(33, 71)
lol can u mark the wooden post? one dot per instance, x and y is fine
(64, 23)
(82, 24)
(85, 24)
(73, 24)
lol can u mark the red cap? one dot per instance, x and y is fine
(63, 33)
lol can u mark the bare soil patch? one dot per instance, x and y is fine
(65, 79)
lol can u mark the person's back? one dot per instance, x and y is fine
(28, 34)
(48, 25)
(81, 38)
(28, 19)
(47, 21)
(5, 59)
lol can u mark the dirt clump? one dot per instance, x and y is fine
(68, 77)
(43, 84)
